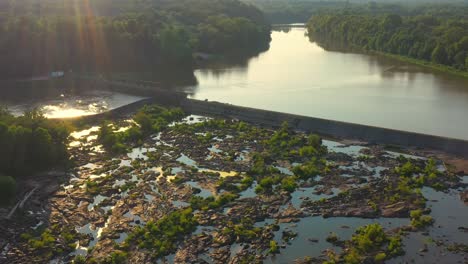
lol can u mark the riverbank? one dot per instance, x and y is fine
(402, 37)
(425, 64)
(422, 63)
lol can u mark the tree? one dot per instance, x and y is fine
(428, 34)
(439, 55)
(132, 35)
(175, 44)
(466, 63)
(41, 148)
(392, 22)
(7, 189)
(144, 121)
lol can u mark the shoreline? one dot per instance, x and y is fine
(422, 63)
(425, 64)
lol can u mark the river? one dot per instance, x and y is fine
(300, 77)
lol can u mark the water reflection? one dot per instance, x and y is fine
(71, 104)
(300, 77)
(70, 97)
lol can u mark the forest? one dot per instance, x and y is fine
(29, 144)
(39, 37)
(300, 11)
(291, 11)
(435, 35)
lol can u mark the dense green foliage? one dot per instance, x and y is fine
(289, 145)
(416, 176)
(274, 248)
(436, 36)
(371, 240)
(162, 236)
(44, 244)
(30, 143)
(418, 220)
(47, 35)
(300, 11)
(285, 143)
(294, 11)
(244, 231)
(149, 119)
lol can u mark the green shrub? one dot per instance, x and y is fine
(307, 170)
(79, 260)
(369, 237)
(289, 184)
(307, 151)
(273, 247)
(162, 236)
(418, 220)
(245, 231)
(353, 257)
(373, 205)
(92, 187)
(117, 257)
(395, 247)
(45, 241)
(266, 184)
(200, 203)
(380, 257)
(408, 169)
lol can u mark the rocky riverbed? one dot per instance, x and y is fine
(239, 193)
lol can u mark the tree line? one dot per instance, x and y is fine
(41, 37)
(300, 11)
(295, 11)
(436, 36)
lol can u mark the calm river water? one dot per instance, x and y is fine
(300, 77)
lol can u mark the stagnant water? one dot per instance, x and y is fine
(300, 77)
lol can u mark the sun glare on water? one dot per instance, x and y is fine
(53, 111)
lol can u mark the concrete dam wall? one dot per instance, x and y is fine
(319, 126)
(328, 127)
(163, 99)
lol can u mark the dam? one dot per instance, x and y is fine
(323, 127)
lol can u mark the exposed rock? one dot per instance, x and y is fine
(220, 255)
(464, 196)
(424, 249)
(400, 209)
(290, 214)
(189, 252)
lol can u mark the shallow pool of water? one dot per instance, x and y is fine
(317, 227)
